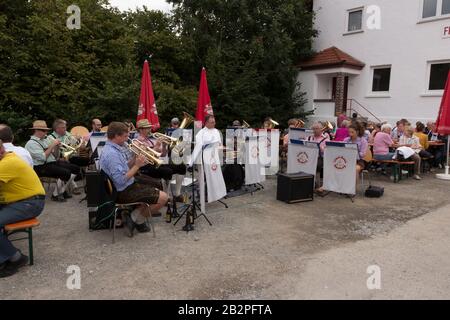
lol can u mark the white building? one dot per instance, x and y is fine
(385, 59)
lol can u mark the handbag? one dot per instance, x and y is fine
(374, 192)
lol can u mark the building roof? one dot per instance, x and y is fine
(331, 58)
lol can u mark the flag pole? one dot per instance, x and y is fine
(446, 175)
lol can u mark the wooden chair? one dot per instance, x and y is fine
(25, 226)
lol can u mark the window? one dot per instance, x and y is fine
(429, 8)
(355, 20)
(445, 7)
(438, 75)
(381, 79)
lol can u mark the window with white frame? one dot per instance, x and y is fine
(438, 75)
(435, 8)
(355, 17)
(381, 79)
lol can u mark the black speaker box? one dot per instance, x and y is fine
(292, 188)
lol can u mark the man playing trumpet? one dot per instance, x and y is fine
(122, 173)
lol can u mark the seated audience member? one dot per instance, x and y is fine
(46, 164)
(423, 139)
(122, 172)
(409, 140)
(7, 136)
(376, 129)
(22, 197)
(437, 151)
(382, 143)
(342, 132)
(397, 132)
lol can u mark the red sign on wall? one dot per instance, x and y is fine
(446, 32)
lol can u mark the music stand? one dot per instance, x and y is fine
(191, 210)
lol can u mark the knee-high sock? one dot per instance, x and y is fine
(69, 183)
(59, 188)
(179, 182)
(165, 185)
(137, 217)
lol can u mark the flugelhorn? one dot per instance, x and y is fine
(66, 149)
(168, 140)
(150, 155)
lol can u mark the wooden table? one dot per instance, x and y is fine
(436, 143)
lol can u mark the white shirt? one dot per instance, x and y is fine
(204, 137)
(21, 152)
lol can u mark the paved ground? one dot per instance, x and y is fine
(258, 248)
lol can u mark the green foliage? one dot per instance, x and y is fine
(249, 47)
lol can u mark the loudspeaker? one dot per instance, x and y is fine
(298, 187)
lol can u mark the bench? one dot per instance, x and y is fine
(397, 167)
(25, 226)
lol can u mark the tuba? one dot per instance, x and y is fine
(245, 125)
(150, 155)
(187, 120)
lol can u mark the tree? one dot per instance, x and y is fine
(250, 49)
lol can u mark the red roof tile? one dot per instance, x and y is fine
(329, 58)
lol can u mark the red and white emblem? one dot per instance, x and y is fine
(141, 109)
(213, 164)
(302, 157)
(255, 152)
(153, 110)
(340, 163)
(208, 109)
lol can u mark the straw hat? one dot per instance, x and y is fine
(40, 125)
(143, 124)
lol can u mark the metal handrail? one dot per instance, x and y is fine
(361, 106)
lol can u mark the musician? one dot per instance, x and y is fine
(7, 136)
(174, 123)
(122, 172)
(22, 197)
(165, 171)
(236, 124)
(96, 126)
(321, 138)
(292, 123)
(60, 132)
(267, 123)
(42, 152)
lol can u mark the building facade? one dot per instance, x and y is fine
(383, 59)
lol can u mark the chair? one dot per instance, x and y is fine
(122, 206)
(25, 226)
(48, 181)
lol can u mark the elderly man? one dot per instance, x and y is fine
(43, 151)
(22, 197)
(7, 136)
(174, 123)
(122, 171)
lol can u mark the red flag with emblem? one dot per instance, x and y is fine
(147, 105)
(443, 121)
(204, 106)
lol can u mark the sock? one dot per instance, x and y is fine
(137, 217)
(69, 183)
(16, 256)
(59, 188)
(179, 183)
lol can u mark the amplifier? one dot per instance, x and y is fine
(298, 187)
(96, 193)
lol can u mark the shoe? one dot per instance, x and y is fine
(77, 191)
(156, 214)
(405, 172)
(9, 268)
(417, 177)
(143, 228)
(66, 195)
(59, 198)
(179, 198)
(129, 225)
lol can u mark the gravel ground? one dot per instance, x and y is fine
(258, 248)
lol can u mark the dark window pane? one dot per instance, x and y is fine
(438, 76)
(445, 6)
(429, 8)
(355, 20)
(381, 79)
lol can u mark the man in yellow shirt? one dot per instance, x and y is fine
(22, 197)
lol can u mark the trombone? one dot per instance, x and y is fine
(150, 155)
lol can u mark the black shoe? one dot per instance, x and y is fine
(59, 198)
(142, 228)
(156, 214)
(9, 268)
(129, 225)
(66, 195)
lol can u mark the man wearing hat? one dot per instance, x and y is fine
(46, 165)
(165, 171)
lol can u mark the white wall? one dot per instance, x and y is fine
(402, 42)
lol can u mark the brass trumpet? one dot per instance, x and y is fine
(245, 125)
(271, 124)
(299, 124)
(150, 155)
(168, 140)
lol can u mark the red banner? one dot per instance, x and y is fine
(204, 106)
(443, 121)
(147, 106)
